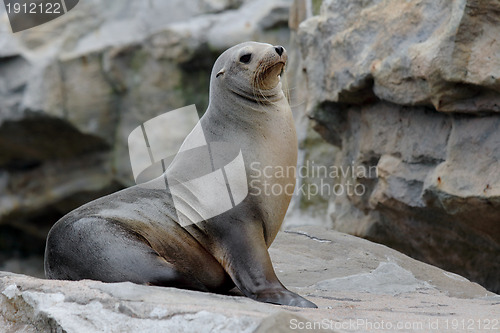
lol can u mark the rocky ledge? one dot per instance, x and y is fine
(358, 286)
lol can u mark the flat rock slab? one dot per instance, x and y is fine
(358, 286)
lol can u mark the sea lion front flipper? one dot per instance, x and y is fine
(248, 264)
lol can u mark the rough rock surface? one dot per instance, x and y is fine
(73, 89)
(439, 53)
(358, 286)
(409, 91)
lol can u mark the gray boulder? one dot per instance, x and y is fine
(357, 285)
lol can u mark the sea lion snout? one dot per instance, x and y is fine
(279, 49)
(272, 63)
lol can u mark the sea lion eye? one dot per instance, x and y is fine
(246, 58)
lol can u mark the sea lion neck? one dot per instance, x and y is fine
(259, 97)
(222, 97)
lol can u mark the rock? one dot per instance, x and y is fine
(355, 283)
(308, 205)
(298, 14)
(439, 53)
(388, 85)
(259, 20)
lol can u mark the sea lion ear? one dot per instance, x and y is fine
(222, 71)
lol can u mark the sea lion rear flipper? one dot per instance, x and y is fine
(100, 249)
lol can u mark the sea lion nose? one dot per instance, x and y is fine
(279, 49)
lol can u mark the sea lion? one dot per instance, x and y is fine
(140, 234)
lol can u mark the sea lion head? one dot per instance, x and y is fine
(250, 70)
